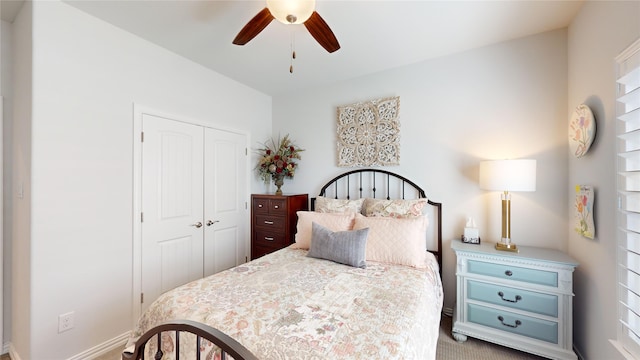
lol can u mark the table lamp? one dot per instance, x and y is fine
(506, 176)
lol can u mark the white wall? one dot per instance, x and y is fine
(21, 294)
(502, 101)
(6, 35)
(600, 31)
(87, 75)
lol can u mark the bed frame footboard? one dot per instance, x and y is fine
(227, 345)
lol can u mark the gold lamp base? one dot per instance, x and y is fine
(506, 247)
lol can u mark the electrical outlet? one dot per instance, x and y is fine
(65, 322)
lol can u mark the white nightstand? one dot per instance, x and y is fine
(521, 300)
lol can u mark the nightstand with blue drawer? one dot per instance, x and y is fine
(521, 300)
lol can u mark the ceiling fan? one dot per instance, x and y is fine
(290, 12)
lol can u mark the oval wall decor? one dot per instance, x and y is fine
(582, 130)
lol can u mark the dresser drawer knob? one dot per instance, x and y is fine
(268, 222)
(268, 238)
(508, 272)
(276, 207)
(518, 322)
(259, 205)
(518, 297)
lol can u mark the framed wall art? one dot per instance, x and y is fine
(583, 206)
(369, 133)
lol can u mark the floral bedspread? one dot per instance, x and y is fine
(288, 306)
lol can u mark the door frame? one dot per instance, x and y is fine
(138, 112)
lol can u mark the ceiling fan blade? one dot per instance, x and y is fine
(320, 31)
(254, 27)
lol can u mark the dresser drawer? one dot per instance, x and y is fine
(516, 273)
(270, 239)
(271, 222)
(513, 323)
(270, 206)
(544, 304)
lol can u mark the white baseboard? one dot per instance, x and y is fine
(105, 347)
(94, 352)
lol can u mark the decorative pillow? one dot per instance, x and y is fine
(332, 221)
(328, 205)
(395, 240)
(344, 247)
(393, 208)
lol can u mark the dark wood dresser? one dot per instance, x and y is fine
(273, 221)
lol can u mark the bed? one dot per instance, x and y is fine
(350, 287)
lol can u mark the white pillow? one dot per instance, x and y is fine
(332, 221)
(328, 205)
(393, 208)
(399, 241)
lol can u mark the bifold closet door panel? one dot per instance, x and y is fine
(225, 207)
(172, 193)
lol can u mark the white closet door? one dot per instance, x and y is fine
(225, 200)
(172, 193)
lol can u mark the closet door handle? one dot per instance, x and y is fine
(209, 222)
(198, 225)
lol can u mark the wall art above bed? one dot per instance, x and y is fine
(369, 133)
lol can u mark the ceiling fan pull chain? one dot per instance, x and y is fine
(293, 51)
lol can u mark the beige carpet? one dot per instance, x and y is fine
(450, 349)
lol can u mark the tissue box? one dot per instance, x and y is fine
(471, 236)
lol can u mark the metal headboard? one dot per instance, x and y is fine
(372, 182)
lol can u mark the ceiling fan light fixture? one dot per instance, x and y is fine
(291, 11)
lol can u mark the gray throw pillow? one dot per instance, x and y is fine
(344, 247)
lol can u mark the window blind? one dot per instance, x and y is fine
(628, 131)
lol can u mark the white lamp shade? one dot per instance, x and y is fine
(300, 9)
(508, 175)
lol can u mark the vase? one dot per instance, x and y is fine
(279, 181)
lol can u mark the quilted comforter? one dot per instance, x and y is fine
(286, 305)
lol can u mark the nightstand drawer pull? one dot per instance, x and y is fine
(268, 238)
(268, 222)
(518, 297)
(518, 323)
(508, 272)
(276, 207)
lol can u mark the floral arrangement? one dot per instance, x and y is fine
(277, 159)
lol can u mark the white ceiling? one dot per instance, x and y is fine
(374, 35)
